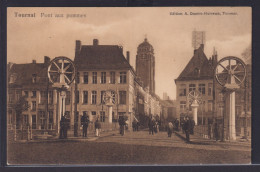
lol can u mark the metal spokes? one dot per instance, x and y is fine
(61, 70)
(109, 97)
(194, 95)
(230, 70)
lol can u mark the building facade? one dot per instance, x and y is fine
(197, 75)
(99, 69)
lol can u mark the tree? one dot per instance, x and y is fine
(247, 55)
(20, 106)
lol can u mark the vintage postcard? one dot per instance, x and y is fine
(129, 86)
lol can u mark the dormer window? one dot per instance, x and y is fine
(12, 78)
(34, 78)
(196, 72)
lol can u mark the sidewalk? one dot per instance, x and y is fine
(91, 137)
(203, 141)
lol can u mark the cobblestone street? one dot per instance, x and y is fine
(132, 148)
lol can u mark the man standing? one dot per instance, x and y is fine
(187, 127)
(97, 127)
(62, 126)
(170, 129)
(85, 122)
(122, 123)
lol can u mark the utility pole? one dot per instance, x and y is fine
(245, 107)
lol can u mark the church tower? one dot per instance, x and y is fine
(145, 65)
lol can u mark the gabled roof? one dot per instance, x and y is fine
(198, 68)
(101, 57)
(23, 75)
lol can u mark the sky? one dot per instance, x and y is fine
(32, 38)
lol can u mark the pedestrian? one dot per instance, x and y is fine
(97, 127)
(170, 129)
(192, 122)
(137, 126)
(65, 127)
(85, 122)
(134, 123)
(209, 130)
(177, 124)
(216, 131)
(186, 128)
(122, 123)
(62, 125)
(150, 125)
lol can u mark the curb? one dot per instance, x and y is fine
(69, 139)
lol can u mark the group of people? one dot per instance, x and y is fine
(153, 125)
(187, 126)
(135, 125)
(85, 123)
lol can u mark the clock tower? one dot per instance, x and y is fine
(145, 65)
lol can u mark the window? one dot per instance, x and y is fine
(182, 90)
(122, 77)
(103, 77)
(18, 94)
(85, 97)
(85, 78)
(33, 94)
(50, 120)
(34, 76)
(122, 97)
(11, 98)
(33, 105)
(102, 97)
(210, 105)
(25, 120)
(238, 111)
(192, 87)
(50, 97)
(93, 113)
(102, 116)
(67, 99)
(183, 105)
(25, 93)
(94, 77)
(42, 119)
(112, 78)
(77, 96)
(202, 88)
(94, 97)
(78, 78)
(43, 97)
(210, 86)
(85, 113)
(33, 121)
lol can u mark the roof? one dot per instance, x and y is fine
(23, 75)
(198, 68)
(167, 103)
(101, 57)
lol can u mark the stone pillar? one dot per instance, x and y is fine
(232, 117)
(110, 112)
(195, 106)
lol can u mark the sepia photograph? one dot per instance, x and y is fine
(118, 86)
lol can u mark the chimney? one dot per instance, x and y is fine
(47, 60)
(95, 42)
(121, 49)
(128, 56)
(34, 61)
(78, 47)
(202, 47)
